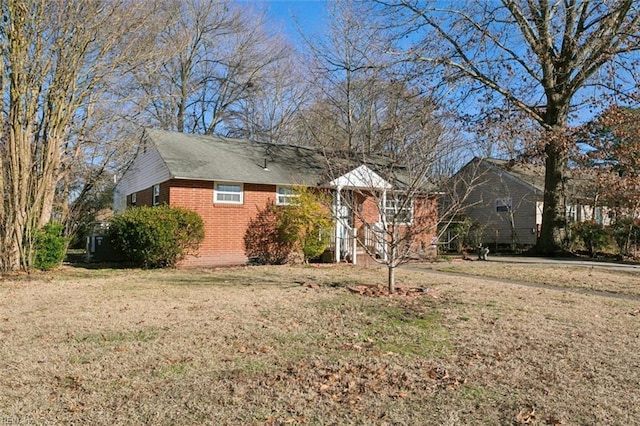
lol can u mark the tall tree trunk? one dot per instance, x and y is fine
(551, 240)
(552, 233)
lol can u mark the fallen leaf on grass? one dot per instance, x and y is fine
(553, 421)
(376, 290)
(526, 416)
(308, 284)
(78, 407)
(121, 348)
(445, 381)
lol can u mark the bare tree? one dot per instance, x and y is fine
(57, 57)
(268, 113)
(386, 141)
(85, 193)
(533, 56)
(212, 57)
(348, 66)
(392, 206)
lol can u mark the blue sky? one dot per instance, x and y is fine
(310, 14)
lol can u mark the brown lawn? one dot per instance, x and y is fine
(261, 345)
(593, 277)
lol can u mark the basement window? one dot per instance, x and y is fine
(228, 193)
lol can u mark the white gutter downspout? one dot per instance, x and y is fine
(383, 217)
(355, 243)
(338, 225)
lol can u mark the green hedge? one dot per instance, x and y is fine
(156, 237)
(592, 235)
(49, 247)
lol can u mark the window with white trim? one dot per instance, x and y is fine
(398, 209)
(286, 195)
(503, 205)
(156, 195)
(133, 199)
(228, 193)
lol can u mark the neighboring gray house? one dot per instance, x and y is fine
(507, 201)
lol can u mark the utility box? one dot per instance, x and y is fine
(98, 247)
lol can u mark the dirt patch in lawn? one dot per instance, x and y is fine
(261, 345)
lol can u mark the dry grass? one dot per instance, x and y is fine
(258, 346)
(592, 277)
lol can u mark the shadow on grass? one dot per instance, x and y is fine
(220, 276)
(78, 259)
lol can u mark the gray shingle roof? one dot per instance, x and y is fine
(212, 158)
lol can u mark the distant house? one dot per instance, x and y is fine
(227, 181)
(506, 200)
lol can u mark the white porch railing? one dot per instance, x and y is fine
(374, 240)
(343, 242)
(371, 237)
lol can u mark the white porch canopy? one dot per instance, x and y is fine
(361, 178)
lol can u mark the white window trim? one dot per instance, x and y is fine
(216, 192)
(395, 213)
(134, 198)
(155, 199)
(285, 199)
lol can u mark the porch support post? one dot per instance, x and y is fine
(338, 226)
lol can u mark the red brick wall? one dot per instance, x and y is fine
(369, 211)
(424, 222)
(225, 224)
(145, 197)
(425, 214)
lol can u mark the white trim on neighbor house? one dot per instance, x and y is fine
(285, 195)
(539, 211)
(134, 198)
(228, 193)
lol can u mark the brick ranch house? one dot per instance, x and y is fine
(227, 181)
